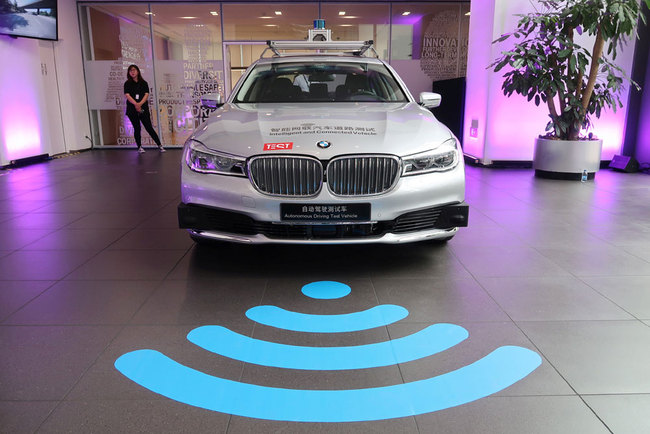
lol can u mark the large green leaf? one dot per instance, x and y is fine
(572, 65)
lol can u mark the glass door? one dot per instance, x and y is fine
(115, 35)
(239, 56)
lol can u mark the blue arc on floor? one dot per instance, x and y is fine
(494, 372)
(426, 342)
(326, 290)
(377, 316)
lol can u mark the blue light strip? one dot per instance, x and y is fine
(494, 372)
(377, 316)
(429, 341)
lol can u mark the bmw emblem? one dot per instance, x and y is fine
(324, 144)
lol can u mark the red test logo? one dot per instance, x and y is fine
(278, 146)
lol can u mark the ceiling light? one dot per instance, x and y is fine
(148, 13)
(266, 18)
(341, 13)
(270, 25)
(215, 13)
(187, 18)
(278, 12)
(406, 13)
(467, 14)
(350, 16)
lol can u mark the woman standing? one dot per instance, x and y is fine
(136, 90)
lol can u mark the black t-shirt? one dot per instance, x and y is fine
(137, 91)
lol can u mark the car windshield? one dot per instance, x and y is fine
(319, 82)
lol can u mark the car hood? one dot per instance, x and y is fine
(252, 129)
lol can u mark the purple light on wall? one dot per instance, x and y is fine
(479, 56)
(408, 20)
(611, 131)
(22, 141)
(21, 114)
(21, 131)
(508, 126)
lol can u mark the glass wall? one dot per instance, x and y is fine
(429, 42)
(359, 22)
(263, 21)
(185, 50)
(253, 25)
(188, 64)
(179, 54)
(117, 35)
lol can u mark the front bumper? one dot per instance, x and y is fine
(230, 208)
(224, 225)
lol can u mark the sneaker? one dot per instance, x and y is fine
(161, 149)
(141, 150)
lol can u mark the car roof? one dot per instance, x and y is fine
(316, 58)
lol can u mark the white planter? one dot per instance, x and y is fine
(566, 159)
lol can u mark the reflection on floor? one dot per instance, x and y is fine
(92, 267)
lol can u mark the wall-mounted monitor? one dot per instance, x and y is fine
(29, 18)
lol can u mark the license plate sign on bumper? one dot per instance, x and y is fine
(332, 213)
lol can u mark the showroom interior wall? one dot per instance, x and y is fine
(43, 100)
(36, 120)
(500, 128)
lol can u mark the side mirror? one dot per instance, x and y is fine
(211, 100)
(430, 99)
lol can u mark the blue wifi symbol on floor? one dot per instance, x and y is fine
(494, 372)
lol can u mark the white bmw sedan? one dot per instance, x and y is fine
(323, 149)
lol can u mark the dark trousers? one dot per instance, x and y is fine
(143, 117)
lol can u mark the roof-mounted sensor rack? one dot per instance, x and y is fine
(355, 48)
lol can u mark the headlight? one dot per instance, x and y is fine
(201, 159)
(444, 157)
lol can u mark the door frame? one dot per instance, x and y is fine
(226, 62)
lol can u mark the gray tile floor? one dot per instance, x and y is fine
(92, 267)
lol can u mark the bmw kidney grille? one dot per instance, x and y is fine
(295, 176)
(286, 175)
(362, 175)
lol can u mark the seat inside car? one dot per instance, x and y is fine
(281, 89)
(318, 91)
(355, 83)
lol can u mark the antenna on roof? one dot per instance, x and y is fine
(320, 41)
(319, 32)
(356, 48)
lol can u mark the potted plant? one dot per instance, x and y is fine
(547, 65)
